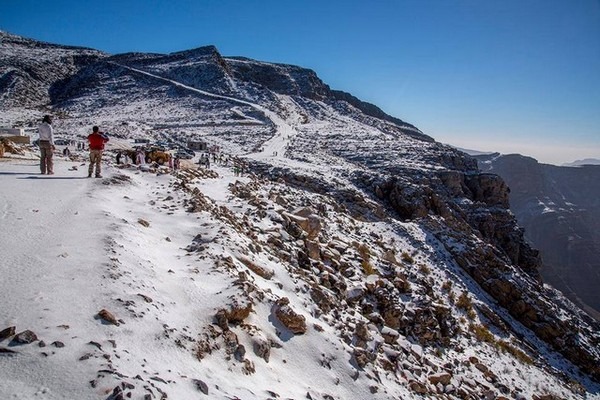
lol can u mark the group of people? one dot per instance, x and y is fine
(96, 141)
(239, 166)
(204, 160)
(138, 157)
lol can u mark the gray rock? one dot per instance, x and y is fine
(25, 337)
(201, 386)
(107, 316)
(8, 332)
(4, 350)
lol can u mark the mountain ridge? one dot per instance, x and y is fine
(336, 159)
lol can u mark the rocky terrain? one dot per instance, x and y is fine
(396, 251)
(559, 209)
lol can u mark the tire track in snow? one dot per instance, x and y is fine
(276, 145)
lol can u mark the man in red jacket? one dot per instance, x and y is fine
(96, 140)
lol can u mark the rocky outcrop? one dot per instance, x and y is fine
(237, 312)
(307, 219)
(396, 250)
(280, 78)
(374, 111)
(259, 270)
(472, 210)
(201, 68)
(293, 321)
(558, 208)
(30, 82)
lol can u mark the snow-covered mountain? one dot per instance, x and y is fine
(356, 257)
(585, 161)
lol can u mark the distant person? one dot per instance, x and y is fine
(139, 157)
(66, 152)
(46, 145)
(96, 140)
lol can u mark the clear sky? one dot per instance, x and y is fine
(494, 75)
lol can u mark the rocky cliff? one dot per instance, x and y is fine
(400, 247)
(558, 208)
(28, 69)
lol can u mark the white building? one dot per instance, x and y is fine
(12, 132)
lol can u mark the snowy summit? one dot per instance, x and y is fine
(326, 250)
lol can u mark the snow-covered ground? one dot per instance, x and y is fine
(75, 245)
(127, 243)
(291, 280)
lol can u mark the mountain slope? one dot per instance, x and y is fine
(559, 209)
(28, 69)
(394, 254)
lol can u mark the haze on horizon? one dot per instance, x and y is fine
(511, 76)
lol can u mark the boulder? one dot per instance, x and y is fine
(107, 316)
(236, 314)
(441, 377)
(201, 386)
(308, 220)
(8, 332)
(293, 321)
(259, 270)
(25, 337)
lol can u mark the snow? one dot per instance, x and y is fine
(129, 243)
(73, 246)
(49, 272)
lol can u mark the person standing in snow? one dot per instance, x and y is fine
(46, 145)
(96, 140)
(139, 157)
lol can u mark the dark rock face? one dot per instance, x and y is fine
(280, 78)
(29, 70)
(467, 212)
(559, 208)
(466, 200)
(201, 68)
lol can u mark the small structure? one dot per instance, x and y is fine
(12, 132)
(197, 145)
(16, 135)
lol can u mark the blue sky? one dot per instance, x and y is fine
(510, 76)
